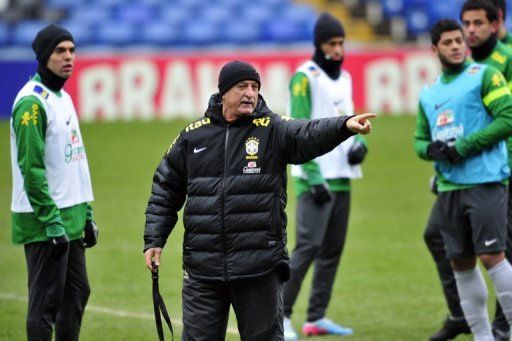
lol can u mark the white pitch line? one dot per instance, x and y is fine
(108, 311)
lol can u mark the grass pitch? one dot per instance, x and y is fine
(386, 289)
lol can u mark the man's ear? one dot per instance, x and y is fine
(495, 26)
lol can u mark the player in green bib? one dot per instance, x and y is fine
(51, 215)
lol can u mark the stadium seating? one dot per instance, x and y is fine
(171, 23)
(420, 15)
(199, 23)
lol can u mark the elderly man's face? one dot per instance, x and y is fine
(62, 59)
(241, 99)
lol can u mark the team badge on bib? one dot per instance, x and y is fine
(444, 118)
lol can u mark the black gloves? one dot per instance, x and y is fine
(91, 233)
(435, 150)
(320, 194)
(59, 244)
(357, 153)
(442, 151)
(451, 153)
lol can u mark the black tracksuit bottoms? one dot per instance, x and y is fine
(58, 290)
(257, 302)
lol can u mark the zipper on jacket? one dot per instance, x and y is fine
(223, 201)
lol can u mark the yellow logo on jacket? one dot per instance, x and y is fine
(27, 117)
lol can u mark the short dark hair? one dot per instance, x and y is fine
(489, 7)
(501, 4)
(443, 25)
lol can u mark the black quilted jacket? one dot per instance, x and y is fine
(233, 179)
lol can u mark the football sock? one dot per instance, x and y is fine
(473, 300)
(501, 275)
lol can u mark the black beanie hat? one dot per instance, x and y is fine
(327, 27)
(47, 39)
(234, 72)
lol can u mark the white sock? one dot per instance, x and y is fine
(501, 275)
(473, 300)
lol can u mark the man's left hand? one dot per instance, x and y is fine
(360, 124)
(451, 153)
(91, 233)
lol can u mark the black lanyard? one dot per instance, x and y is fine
(159, 306)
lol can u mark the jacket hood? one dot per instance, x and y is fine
(214, 111)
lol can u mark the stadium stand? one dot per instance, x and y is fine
(198, 23)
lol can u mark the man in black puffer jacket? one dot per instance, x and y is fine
(230, 167)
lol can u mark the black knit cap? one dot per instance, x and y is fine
(234, 72)
(327, 27)
(47, 39)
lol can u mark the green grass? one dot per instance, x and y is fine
(386, 289)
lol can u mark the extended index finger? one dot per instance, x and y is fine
(365, 116)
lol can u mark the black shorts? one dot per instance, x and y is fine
(475, 220)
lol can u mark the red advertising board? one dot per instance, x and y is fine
(166, 86)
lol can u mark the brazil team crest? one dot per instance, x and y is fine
(251, 148)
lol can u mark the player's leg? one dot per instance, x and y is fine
(46, 279)
(500, 326)
(455, 323)
(457, 236)
(326, 264)
(258, 305)
(76, 294)
(489, 218)
(312, 220)
(205, 310)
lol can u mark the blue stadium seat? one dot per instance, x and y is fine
(281, 30)
(161, 34)
(255, 13)
(299, 13)
(200, 34)
(393, 7)
(116, 34)
(105, 3)
(83, 33)
(276, 4)
(90, 15)
(63, 4)
(174, 14)
(442, 10)
(215, 15)
(240, 32)
(136, 13)
(25, 31)
(417, 21)
(4, 34)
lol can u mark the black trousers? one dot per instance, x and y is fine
(58, 290)
(257, 303)
(435, 244)
(321, 232)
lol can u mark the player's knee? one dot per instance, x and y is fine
(490, 259)
(463, 264)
